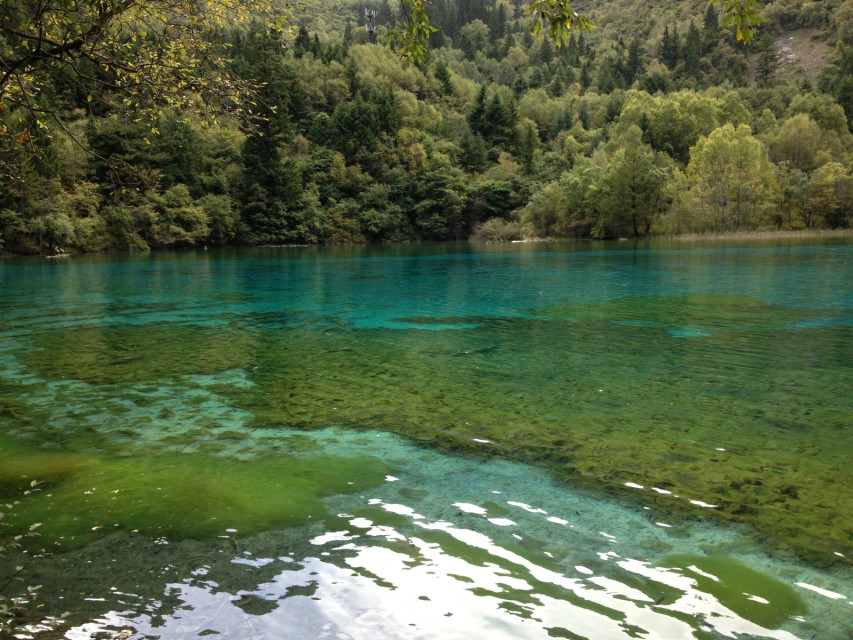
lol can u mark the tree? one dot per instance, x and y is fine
(830, 193)
(557, 19)
(139, 55)
(633, 188)
(634, 65)
(732, 180)
(669, 49)
(799, 142)
(693, 51)
(768, 61)
(442, 74)
(477, 117)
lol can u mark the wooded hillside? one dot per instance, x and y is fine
(658, 120)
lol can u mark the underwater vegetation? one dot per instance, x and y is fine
(722, 406)
(83, 497)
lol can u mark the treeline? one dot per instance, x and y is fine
(499, 135)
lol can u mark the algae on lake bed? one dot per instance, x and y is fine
(721, 401)
(82, 497)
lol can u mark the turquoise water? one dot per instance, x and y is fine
(564, 440)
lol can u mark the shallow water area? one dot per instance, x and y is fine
(564, 440)
(446, 547)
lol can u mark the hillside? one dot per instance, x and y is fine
(655, 122)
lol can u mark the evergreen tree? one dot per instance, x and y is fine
(546, 52)
(634, 65)
(497, 121)
(352, 78)
(565, 121)
(302, 44)
(693, 51)
(474, 154)
(585, 78)
(498, 23)
(442, 74)
(711, 28)
(768, 62)
(668, 50)
(711, 21)
(477, 117)
(583, 115)
(572, 50)
(527, 147)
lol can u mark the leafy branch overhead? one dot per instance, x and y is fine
(145, 54)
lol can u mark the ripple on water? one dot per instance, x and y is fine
(421, 556)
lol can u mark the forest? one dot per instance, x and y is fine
(654, 122)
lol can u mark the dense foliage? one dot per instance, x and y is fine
(653, 122)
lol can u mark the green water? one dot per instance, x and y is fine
(685, 406)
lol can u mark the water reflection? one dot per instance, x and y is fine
(451, 548)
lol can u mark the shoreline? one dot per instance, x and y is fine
(682, 237)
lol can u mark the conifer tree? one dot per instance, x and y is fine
(768, 62)
(668, 50)
(442, 74)
(634, 65)
(692, 51)
(477, 118)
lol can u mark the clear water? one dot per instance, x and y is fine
(437, 441)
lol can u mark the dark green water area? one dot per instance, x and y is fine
(430, 441)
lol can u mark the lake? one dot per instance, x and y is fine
(577, 440)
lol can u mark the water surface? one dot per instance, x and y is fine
(582, 440)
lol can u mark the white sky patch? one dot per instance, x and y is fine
(470, 508)
(634, 485)
(664, 525)
(758, 599)
(526, 507)
(391, 479)
(663, 492)
(331, 536)
(256, 563)
(699, 503)
(557, 520)
(502, 522)
(824, 592)
(581, 569)
(704, 574)
(482, 441)
(402, 510)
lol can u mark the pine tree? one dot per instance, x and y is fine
(546, 53)
(572, 50)
(634, 65)
(474, 153)
(442, 74)
(352, 78)
(692, 51)
(585, 78)
(527, 147)
(498, 25)
(768, 62)
(565, 121)
(302, 44)
(711, 26)
(476, 120)
(583, 115)
(668, 50)
(711, 20)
